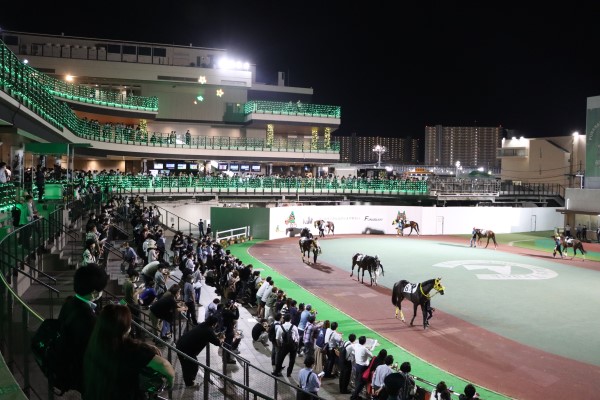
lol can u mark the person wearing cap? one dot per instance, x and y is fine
(78, 315)
(473, 242)
(192, 343)
(152, 252)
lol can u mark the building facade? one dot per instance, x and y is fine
(471, 146)
(359, 150)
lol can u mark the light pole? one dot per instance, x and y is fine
(379, 150)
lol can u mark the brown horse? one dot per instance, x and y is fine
(486, 233)
(575, 244)
(411, 224)
(321, 225)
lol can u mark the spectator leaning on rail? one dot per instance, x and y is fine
(78, 316)
(192, 343)
(113, 361)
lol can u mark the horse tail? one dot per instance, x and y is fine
(395, 290)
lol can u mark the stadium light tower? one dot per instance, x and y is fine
(379, 150)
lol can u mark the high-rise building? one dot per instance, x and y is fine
(359, 149)
(472, 146)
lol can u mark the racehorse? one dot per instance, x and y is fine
(418, 293)
(321, 225)
(486, 233)
(366, 263)
(307, 245)
(575, 244)
(411, 224)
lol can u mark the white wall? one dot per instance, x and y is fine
(431, 220)
(357, 219)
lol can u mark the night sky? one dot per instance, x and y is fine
(393, 67)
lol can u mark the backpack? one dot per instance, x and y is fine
(343, 354)
(320, 342)
(48, 351)
(273, 332)
(287, 339)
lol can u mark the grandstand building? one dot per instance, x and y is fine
(136, 103)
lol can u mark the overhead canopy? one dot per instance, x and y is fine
(53, 148)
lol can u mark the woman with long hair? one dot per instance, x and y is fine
(113, 361)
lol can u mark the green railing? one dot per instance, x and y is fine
(291, 108)
(166, 183)
(38, 92)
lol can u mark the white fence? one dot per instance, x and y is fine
(233, 233)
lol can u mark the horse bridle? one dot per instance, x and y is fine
(437, 286)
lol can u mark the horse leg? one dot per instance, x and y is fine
(352, 271)
(415, 306)
(424, 312)
(488, 242)
(315, 253)
(399, 310)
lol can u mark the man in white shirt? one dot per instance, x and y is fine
(362, 357)
(264, 288)
(333, 340)
(286, 349)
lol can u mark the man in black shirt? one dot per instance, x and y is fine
(192, 343)
(259, 332)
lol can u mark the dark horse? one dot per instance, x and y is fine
(306, 246)
(366, 263)
(321, 225)
(575, 244)
(411, 224)
(418, 293)
(486, 233)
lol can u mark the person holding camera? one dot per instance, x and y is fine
(231, 314)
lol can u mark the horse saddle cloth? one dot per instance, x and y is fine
(360, 257)
(569, 241)
(410, 288)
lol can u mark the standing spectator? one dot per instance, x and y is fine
(129, 258)
(164, 310)
(188, 299)
(148, 273)
(160, 281)
(598, 234)
(346, 361)
(201, 228)
(264, 287)
(208, 231)
(370, 371)
(113, 361)
(362, 356)
(89, 254)
(192, 343)
(270, 301)
(197, 279)
(3, 173)
(308, 379)
(469, 393)
(441, 392)
(302, 317)
(568, 231)
(130, 296)
(286, 349)
(398, 385)
(333, 342)
(308, 340)
(78, 316)
(231, 314)
(212, 308)
(40, 182)
(379, 375)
